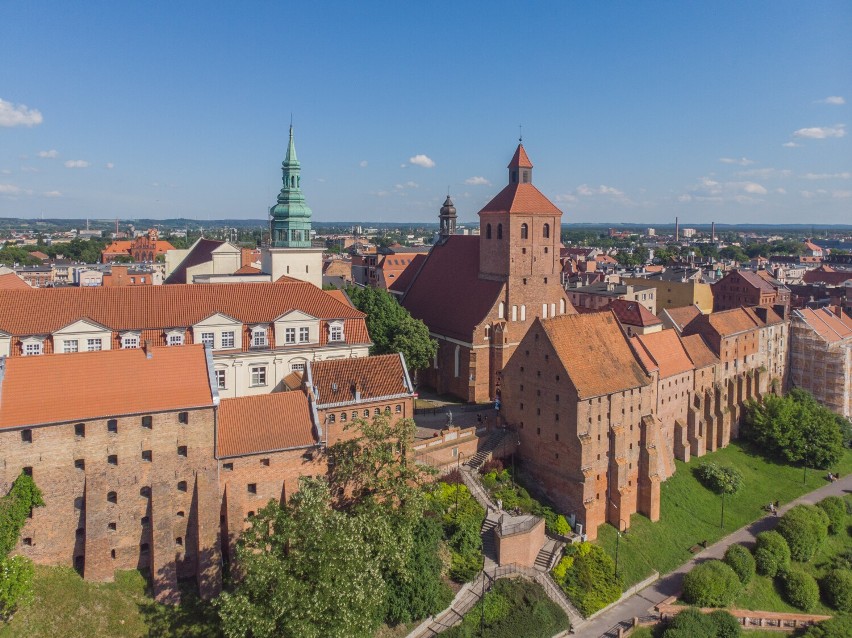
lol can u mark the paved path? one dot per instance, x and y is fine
(670, 584)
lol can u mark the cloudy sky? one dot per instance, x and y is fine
(725, 111)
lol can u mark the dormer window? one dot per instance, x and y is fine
(129, 340)
(258, 337)
(33, 347)
(175, 339)
(335, 331)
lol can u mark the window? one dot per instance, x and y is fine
(31, 349)
(112, 497)
(252, 488)
(264, 462)
(258, 376)
(112, 459)
(28, 541)
(354, 414)
(343, 417)
(331, 418)
(26, 436)
(297, 367)
(220, 379)
(112, 527)
(71, 345)
(208, 339)
(181, 486)
(147, 422)
(94, 345)
(80, 430)
(545, 231)
(289, 335)
(130, 341)
(228, 467)
(228, 339)
(112, 426)
(367, 413)
(175, 340)
(181, 450)
(179, 541)
(499, 231)
(80, 464)
(335, 332)
(304, 334)
(181, 514)
(398, 408)
(377, 411)
(183, 417)
(147, 456)
(524, 231)
(488, 231)
(258, 338)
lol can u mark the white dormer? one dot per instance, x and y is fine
(81, 336)
(130, 339)
(296, 328)
(31, 346)
(335, 331)
(218, 332)
(260, 336)
(175, 336)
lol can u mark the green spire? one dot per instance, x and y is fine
(291, 217)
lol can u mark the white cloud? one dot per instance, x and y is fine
(836, 100)
(363, 163)
(18, 115)
(422, 160)
(753, 188)
(53, 194)
(5, 171)
(76, 164)
(827, 176)
(567, 197)
(408, 184)
(743, 161)
(9, 189)
(791, 145)
(477, 181)
(781, 191)
(821, 132)
(29, 169)
(587, 191)
(711, 190)
(51, 154)
(109, 165)
(766, 173)
(841, 194)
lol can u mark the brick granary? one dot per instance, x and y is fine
(158, 473)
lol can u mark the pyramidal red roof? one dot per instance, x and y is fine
(521, 198)
(520, 159)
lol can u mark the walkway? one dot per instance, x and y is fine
(670, 585)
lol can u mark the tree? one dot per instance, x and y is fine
(741, 561)
(771, 554)
(805, 528)
(723, 480)
(711, 584)
(837, 589)
(835, 509)
(590, 580)
(392, 328)
(800, 589)
(691, 623)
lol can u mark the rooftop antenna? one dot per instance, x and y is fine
(521, 133)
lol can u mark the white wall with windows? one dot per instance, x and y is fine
(296, 328)
(82, 336)
(218, 332)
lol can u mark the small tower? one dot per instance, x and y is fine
(290, 225)
(448, 219)
(520, 168)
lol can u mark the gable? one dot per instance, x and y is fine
(82, 325)
(294, 316)
(218, 319)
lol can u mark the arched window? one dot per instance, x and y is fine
(524, 231)
(545, 231)
(501, 310)
(499, 231)
(488, 231)
(561, 306)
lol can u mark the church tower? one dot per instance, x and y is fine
(448, 220)
(290, 226)
(289, 252)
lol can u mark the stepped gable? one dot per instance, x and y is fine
(447, 293)
(124, 381)
(698, 351)
(45, 310)
(521, 198)
(682, 316)
(594, 353)
(337, 380)
(264, 423)
(201, 253)
(666, 351)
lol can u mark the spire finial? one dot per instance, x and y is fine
(521, 133)
(448, 190)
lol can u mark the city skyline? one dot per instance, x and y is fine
(635, 114)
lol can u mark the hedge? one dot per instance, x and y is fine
(805, 528)
(711, 584)
(691, 623)
(771, 554)
(738, 558)
(800, 589)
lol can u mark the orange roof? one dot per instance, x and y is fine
(45, 310)
(335, 381)
(11, 281)
(264, 423)
(633, 313)
(682, 316)
(341, 296)
(111, 383)
(826, 324)
(521, 198)
(698, 351)
(594, 353)
(121, 246)
(666, 351)
(293, 381)
(520, 159)
(728, 322)
(247, 270)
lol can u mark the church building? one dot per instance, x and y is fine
(478, 295)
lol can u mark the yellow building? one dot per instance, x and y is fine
(675, 294)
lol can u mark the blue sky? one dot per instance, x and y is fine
(631, 112)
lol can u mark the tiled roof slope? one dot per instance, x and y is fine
(521, 198)
(756, 280)
(633, 313)
(335, 380)
(682, 316)
(37, 390)
(450, 279)
(698, 351)
(404, 279)
(247, 270)
(667, 352)
(264, 423)
(45, 310)
(595, 353)
(520, 159)
(826, 275)
(11, 281)
(826, 324)
(202, 252)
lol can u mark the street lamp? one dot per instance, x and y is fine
(805, 466)
(618, 533)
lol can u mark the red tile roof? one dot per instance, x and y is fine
(41, 389)
(666, 351)
(336, 380)
(827, 275)
(247, 270)
(521, 198)
(341, 296)
(43, 311)
(449, 278)
(404, 279)
(682, 316)
(826, 324)
(633, 313)
(520, 159)
(117, 247)
(11, 281)
(594, 353)
(264, 423)
(698, 351)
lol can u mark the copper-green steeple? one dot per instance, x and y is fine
(291, 217)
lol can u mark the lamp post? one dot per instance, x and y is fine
(618, 533)
(805, 466)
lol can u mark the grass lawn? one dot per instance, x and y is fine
(66, 606)
(690, 513)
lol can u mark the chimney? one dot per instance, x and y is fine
(677, 229)
(149, 350)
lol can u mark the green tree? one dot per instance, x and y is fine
(711, 584)
(16, 572)
(392, 328)
(590, 581)
(771, 553)
(805, 528)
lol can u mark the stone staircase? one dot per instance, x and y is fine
(484, 454)
(489, 547)
(548, 555)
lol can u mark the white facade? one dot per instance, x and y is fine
(299, 263)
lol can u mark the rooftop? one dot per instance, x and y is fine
(264, 423)
(362, 379)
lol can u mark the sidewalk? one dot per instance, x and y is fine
(670, 584)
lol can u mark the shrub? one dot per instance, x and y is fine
(837, 589)
(835, 509)
(771, 554)
(725, 625)
(719, 478)
(590, 582)
(492, 465)
(838, 627)
(16, 577)
(800, 589)
(561, 570)
(805, 528)
(562, 527)
(741, 561)
(711, 584)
